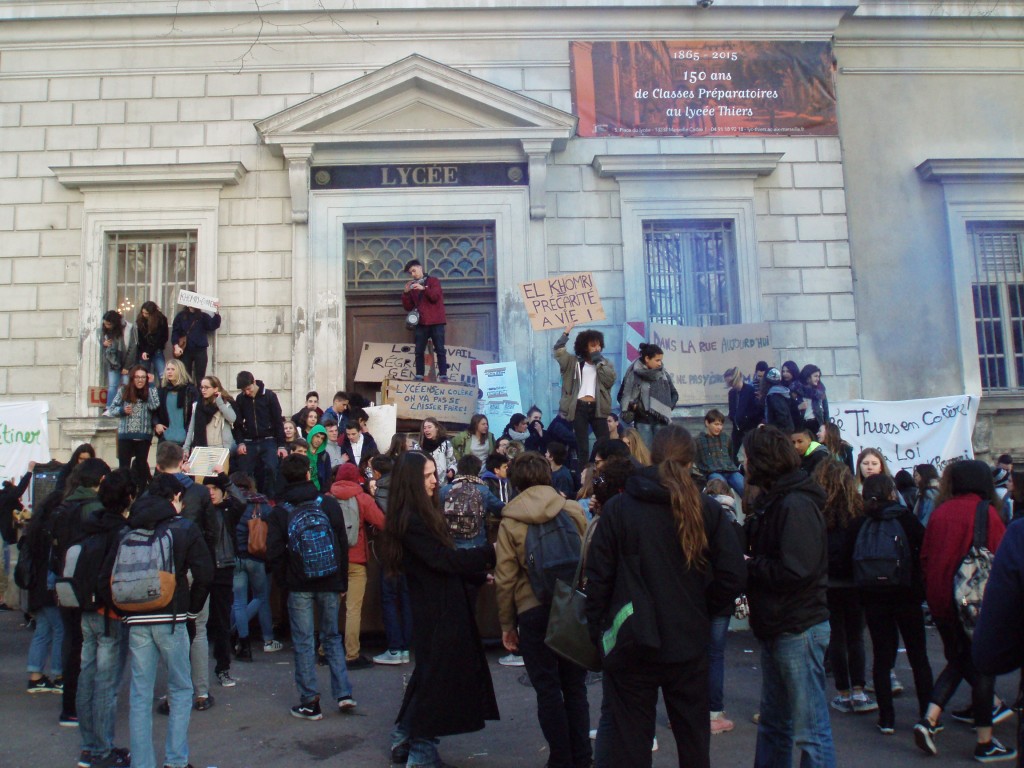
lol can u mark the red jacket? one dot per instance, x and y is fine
(429, 302)
(947, 538)
(369, 512)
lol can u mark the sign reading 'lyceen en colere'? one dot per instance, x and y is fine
(417, 176)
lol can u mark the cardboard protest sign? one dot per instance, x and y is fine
(24, 436)
(500, 398)
(696, 358)
(558, 302)
(935, 430)
(419, 399)
(380, 361)
(208, 304)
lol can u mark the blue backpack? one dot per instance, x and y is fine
(311, 540)
(552, 553)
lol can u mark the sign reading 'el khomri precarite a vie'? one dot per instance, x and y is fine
(558, 302)
(703, 88)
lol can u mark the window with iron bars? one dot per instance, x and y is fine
(460, 254)
(998, 294)
(150, 266)
(691, 272)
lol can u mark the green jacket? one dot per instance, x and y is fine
(572, 380)
(461, 444)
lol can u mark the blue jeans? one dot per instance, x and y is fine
(104, 651)
(249, 572)
(716, 662)
(647, 431)
(397, 618)
(114, 381)
(734, 479)
(794, 709)
(422, 751)
(155, 365)
(436, 334)
(261, 453)
(147, 645)
(47, 641)
(300, 612)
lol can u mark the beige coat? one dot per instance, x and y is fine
(534, 505)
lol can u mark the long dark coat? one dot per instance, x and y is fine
(450, 690)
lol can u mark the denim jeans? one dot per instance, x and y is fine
(104, 651)
(300, 613)
(422, 751)
(647, 431)
(155, 365)
(199, 652)
(436, 334)
(794, 709)
(396, 611)
(147, 645)
(716, 662)
(261, 453)
(71, 658)
(734, 479)
(114, 381)
(561, 692)
(47, 641)
(252, 573)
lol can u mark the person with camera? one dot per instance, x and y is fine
(423, 300)
(647, 395)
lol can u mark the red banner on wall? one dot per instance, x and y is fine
(703, 88)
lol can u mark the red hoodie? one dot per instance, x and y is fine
(369, 512)
(947, 538)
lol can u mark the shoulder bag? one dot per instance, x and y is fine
(567, 633)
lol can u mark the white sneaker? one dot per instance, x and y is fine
(388, 657)
(593, 734)
(107, 414)
(511, 660)
(405, 657)
(654, 744)
(272, 646)
(346, 704)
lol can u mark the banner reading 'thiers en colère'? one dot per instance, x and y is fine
(703, 88)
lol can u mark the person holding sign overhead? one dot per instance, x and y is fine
(189, 333)
(587, 378)
(424, 301)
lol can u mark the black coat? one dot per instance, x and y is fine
(280, 560)
(915, 538)
(637, 530)
(450, 690)
(38, 540)
(258, 417)
(744, 411)
(10, 502)
(787, 573)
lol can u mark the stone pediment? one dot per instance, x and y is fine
(414, 101)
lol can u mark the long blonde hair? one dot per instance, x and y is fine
(183, 378)
(637, 448)
(673, 454)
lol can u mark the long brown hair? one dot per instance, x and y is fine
(833, 439)
(673, 454)
(842, 501)
(131, 393)
(408, 497)
(215, 383)
(878, 455)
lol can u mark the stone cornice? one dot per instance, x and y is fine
(972, 169)
(736, 165)
(127, 176)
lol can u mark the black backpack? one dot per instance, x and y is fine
(78, 581)
(552, 552)
(881, 554)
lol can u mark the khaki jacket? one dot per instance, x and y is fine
(572, 380)
(534, 505)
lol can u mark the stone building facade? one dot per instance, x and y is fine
(189, 136)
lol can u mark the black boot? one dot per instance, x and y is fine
(244, 649)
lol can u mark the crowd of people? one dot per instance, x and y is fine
(774, 519)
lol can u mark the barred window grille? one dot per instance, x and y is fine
(460, 254)
(998, 294)
(691, 272)
(150, 266)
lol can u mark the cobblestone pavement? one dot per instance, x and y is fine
(250, 724)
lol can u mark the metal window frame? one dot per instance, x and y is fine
(1006, 365)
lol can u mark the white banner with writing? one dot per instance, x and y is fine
(24, 436)
(936, 430)
(209, 304)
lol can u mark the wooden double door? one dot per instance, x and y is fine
(472, 315)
